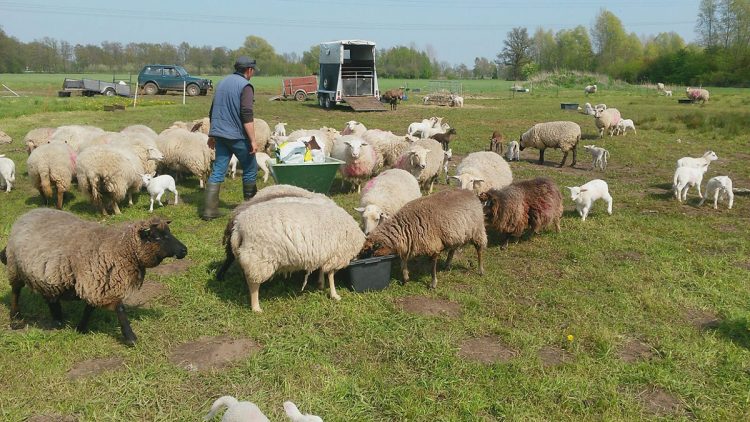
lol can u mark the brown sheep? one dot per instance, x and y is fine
(529, 204)
(393, 96)
(444, 138)
(429, 225)
(496, 142)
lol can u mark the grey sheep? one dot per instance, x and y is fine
(561, 134)
(60, 255)
(429, 225)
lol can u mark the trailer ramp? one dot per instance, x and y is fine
(365, 103)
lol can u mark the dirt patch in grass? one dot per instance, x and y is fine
(52, 418)
(176, 266)
(553, 356)
(148, 293)
(634, 350)
(658, 402)
(487, 350)
(428, 306)
(726, 228)
(93, 367)
(744, 265)
(212, 352)
(701, 319)
(627, 256)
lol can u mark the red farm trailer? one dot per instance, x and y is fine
(298, 87)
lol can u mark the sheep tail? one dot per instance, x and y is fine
(674, 181)
(4, 257)
(223, 401)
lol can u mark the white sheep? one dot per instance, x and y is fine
(5, 138)
(513, 153)
(7, 172)
(457, 101)
(483, 170)
(108, 172)
(425, 99)
(599, 156)
(360, 159)
(37, 137)
(684, 178)
(323, 136)
(141, 130)
(718, 187)
(600, 107)
(584, 196)
(52, 165)
(660, 86)
(607, 120)
(699, 162)
(589, 89)
(423, 160)
(387, 145)
(76, 135)
(186, 151)
(447, 157)
(588, 109)
(384, 195)
(416, 128)
(295, 415)
(668, 93)
(156, 186)
(279, 129)
(623, 126)
(353, 127)
(432, 131)
(697, 94)
(561, 134)
(292, 234)
(260, 157)
(237, 411)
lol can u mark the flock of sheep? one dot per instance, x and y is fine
(285, 228)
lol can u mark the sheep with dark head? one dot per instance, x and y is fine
(59, 255)
(529, 204)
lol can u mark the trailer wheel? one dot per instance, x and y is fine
(150, 89)
(320, 100)
(300, 95)
(328, 102)
(192, 90)
(109, 92)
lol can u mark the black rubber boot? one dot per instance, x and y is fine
(249, 190)
(211, 203)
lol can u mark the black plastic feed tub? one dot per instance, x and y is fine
(370, 274)
(569, 106)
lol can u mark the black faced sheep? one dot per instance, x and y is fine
(59, 255)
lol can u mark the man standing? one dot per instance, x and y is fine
(232, 132)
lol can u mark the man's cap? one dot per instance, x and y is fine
(243, 62)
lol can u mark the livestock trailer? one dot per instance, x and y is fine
(348, 75)
(297, 87)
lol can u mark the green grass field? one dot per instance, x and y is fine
(639, 315)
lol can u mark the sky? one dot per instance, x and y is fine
(454, 31)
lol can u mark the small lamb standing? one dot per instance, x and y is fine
(279, 129)
(585, 196)
(260, 157)
(156, 186)
(58, 254)
(7, 172)
(718, 187)
(704, 160)
(496, 142)
(447, 158)
(599, 156)
(589, 89)
(686, 177)
(428, 225)
(668, 93)
(623, 126)
(513, 153)
(561, 134)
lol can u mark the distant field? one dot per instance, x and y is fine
(644, 314)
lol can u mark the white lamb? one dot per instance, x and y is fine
(430, 131)
(584, 196)
(589, 89)
(668, 93)
(237, 411)
(7, 172)
(660, 86)
(588, 109)
(447, 157)
(623, 126)
(416, 128)
(599, 156)
(457, 101)
(156, 186)
(699, 162)
(513, 153)
(260, 157)
(384, 195)
(483, 170)
(279, 129)
(719, 186)
(684, 178)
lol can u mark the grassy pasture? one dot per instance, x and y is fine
(662, 283)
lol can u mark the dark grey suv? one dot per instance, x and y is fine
(160, 78)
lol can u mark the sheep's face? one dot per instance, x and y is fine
(146, 179)
(157, 243)
(355, 147)
(372, 216)
(521, 145)
(418, 157)
(154, 154)
(575, 192)
(711, 156)
(373, 248)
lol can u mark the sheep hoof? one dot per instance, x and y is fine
(130, 342)
(258, 310)
(335, 297)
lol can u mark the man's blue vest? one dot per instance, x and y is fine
(225, 113)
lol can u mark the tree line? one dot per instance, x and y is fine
(721, 56)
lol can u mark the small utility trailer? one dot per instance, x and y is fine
(299, 88)
(91, 87)
(347, 75)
